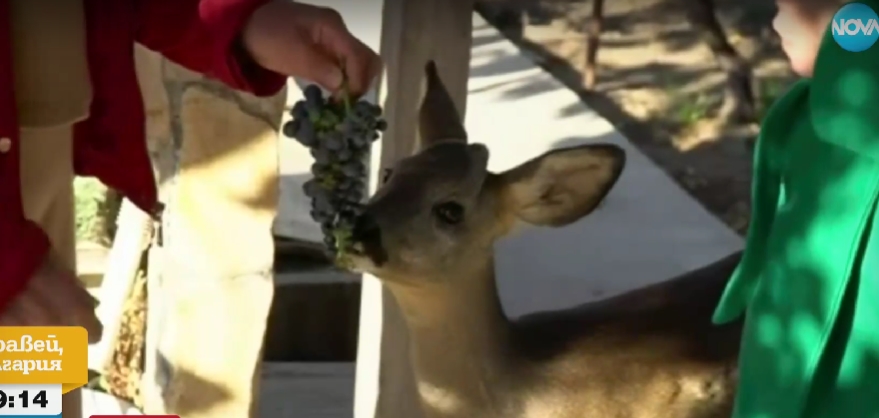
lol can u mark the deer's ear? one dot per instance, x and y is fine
(438, 118)
(563, 185)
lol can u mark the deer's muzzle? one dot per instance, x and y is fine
(367, 234)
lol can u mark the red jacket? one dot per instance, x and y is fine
(198, 34)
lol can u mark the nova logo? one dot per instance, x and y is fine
(855, 27)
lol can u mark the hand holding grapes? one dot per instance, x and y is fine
(311, 42)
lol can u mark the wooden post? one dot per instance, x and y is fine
(210, 278)
(594, 24)
(739, 103)
(412, 33)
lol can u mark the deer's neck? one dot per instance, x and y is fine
(460, 340)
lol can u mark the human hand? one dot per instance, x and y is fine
(54, 297)
(301, 40)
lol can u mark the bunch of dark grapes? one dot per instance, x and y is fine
(339, 134)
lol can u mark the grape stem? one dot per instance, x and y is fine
(346, 94)
(343, 237)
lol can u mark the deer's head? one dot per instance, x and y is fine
(438, 212)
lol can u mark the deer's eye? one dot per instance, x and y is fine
(451, 213)
(386, 175)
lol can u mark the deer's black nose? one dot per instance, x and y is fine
(365, 227)
(368, 234)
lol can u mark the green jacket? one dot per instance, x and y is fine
(809, 277)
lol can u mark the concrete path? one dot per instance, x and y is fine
(648, 230)
(314, 390)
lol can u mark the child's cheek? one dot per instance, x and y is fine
(799, 40)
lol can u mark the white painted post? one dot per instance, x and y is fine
(132, 239)
(412, 33)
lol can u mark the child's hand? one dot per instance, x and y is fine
(54, 297)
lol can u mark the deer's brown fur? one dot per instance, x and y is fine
(428, 233)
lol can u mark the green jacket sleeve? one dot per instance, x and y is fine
(764, 196)
(766, 193)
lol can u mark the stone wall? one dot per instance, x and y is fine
(210, 283)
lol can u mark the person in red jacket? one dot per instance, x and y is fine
(70, 105)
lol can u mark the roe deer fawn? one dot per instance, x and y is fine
(428, 234)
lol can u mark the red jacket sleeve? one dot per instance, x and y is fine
(23, 245)
(202, 35)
